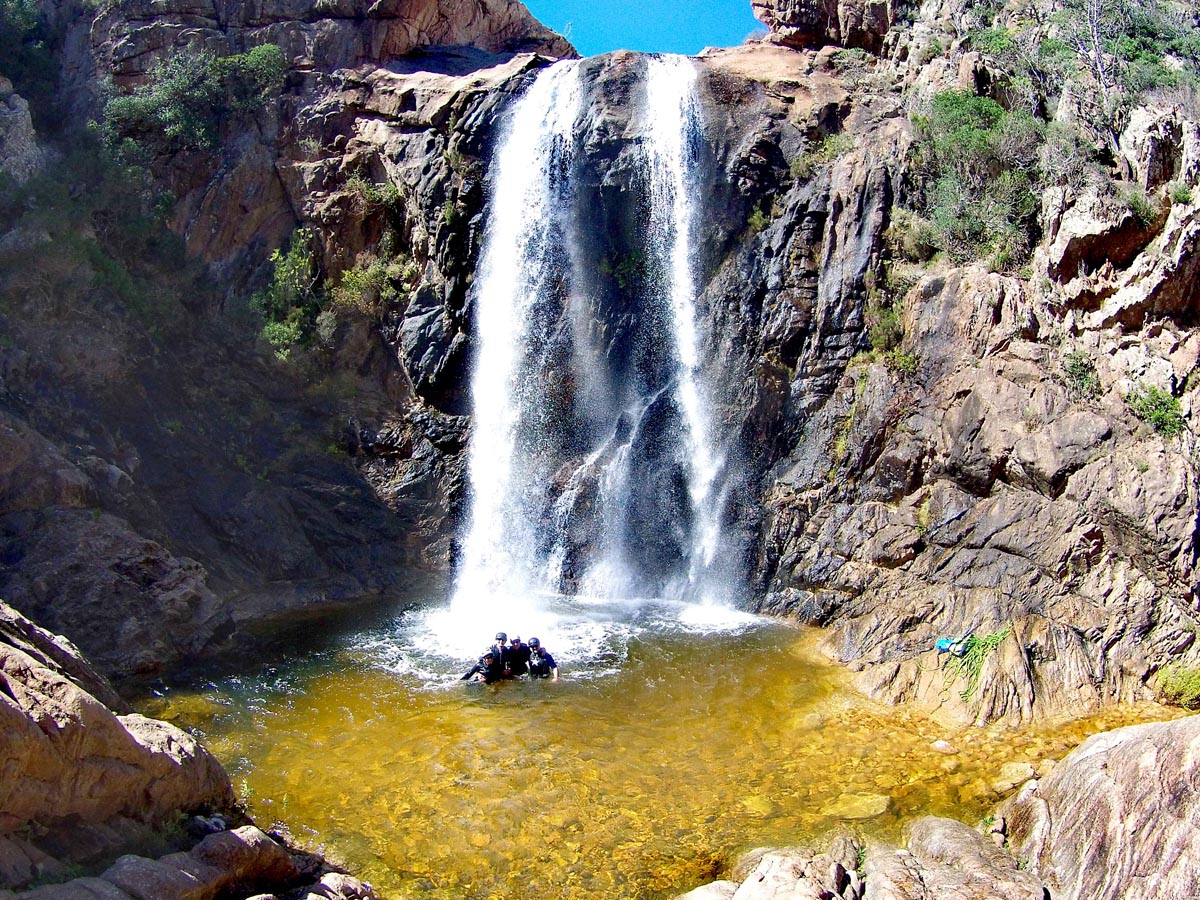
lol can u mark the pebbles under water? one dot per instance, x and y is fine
(644, 783)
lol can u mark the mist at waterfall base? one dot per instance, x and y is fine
(598, 477)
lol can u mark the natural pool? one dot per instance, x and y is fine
(647, 769)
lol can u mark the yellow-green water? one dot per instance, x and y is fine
(639, 784)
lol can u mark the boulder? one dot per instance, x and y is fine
(68, 760)
(946, 858)
(20, 155)
(1118, 818)
(816, 23)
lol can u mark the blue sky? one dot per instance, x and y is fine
(653, 26)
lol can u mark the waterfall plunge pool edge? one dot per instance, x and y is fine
(663, 754)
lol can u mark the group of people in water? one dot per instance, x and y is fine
(512, 659)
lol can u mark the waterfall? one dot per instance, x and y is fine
(515, 291)
(673, 114)
(593, 471)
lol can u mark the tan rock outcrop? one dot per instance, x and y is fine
(20, 155)
(1117, 819)
(228, 863)
(943, 859)
(815, 23)
(129, 38)
(66, 758)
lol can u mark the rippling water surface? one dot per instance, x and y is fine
(664, 752)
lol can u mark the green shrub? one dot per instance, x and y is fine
(373, 196)
(1180, 684)
(284, 336)
(373, 283)
(902, 363)
(830, 148)
(885, 326)
(1079, 376)
(1143, 208)
(290, 303)
(1179, 192)
(188, 98)
(758, 219)
(1066, 158)
(969, 665)
(1121, 49)
(628, 270)
(981, 177)
(26, 58)
(1158, 408)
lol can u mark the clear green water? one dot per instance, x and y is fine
(638, 780)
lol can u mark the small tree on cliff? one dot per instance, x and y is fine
(980, 166)
(188, 98)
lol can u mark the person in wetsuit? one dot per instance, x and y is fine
(501, 650)
(488, 670)
(518, 658)
(541, 663)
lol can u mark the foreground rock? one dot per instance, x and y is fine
(20, 155)
(944, 858)
(80, 785)
(71, 767)
(229, 863)
(1118, 819)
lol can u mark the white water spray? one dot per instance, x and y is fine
(674, 117)
(496, 578)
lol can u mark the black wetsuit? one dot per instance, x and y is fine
(542, 664)
(517, 659)
(490, 673)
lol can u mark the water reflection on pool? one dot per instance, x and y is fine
(693, 749)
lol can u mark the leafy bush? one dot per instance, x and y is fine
(969, 665)
(1158, 408)
(902, 363)
(1179, 192)
(981, 168)
(758, 219)
(1143, 208)
(25, 58)
(1180, 684)
(885, 327)
(290, 303)
(1123, 48)
(1066, 158)
(830, 148)
(372, 283)
(373, 196)
(1079, 376)
(188, 98)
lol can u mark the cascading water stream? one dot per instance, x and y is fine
(572, 474)
(498, 562)
(673, 113)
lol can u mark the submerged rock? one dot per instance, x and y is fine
(857, 806)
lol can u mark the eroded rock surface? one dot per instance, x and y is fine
(815, 23)
(1117, 819)
(20, 155)
(71, 766)
(943, 859)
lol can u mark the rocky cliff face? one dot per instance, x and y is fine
(973, 491)
(112, 419)
(978, 493)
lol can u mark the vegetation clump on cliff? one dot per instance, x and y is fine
(981, 166)
(187, 100)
